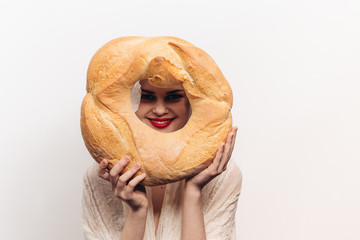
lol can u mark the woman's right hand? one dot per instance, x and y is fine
(125, 186)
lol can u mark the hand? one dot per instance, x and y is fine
(125, 185)
(217, 166)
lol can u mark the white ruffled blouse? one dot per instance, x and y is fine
(103, 214)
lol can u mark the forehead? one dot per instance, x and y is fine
(147, 86)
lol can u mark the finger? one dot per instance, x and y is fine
(233, 139)
(124, 178)
(116, 170)
(102, 171)
(127, 192)
(225, 157)
(135, 181)
(216, 161)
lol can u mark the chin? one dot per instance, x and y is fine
(167, 129)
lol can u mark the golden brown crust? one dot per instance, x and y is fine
(111, 129)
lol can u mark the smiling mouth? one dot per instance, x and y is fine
(160, 122)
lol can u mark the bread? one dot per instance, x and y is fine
(111, 129)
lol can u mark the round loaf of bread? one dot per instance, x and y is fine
(111, 129)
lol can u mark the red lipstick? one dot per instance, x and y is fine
(160, 122)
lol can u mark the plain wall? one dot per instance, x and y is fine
(294, 70)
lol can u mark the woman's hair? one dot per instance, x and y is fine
(136, 96)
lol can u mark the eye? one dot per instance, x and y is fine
(173, 97)
(147, 97)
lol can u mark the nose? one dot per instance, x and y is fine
(160, 108)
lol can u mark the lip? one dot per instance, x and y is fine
(160, 122)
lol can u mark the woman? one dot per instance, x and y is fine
(202, 207)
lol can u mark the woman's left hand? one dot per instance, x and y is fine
(217, 166)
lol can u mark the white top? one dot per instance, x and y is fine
(103, 214)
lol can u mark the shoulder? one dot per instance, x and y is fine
(235, 174)
(98, 194)
(102, 211)
(95, 185)
(231, 176)
(90, 175)
(226, 184)
(220, 199)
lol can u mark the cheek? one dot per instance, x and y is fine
(142, 110)
(138, 114)
(183, 109)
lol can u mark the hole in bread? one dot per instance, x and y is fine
(163, 109)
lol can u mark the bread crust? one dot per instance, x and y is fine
(111, 129)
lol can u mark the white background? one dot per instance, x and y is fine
(294, 67)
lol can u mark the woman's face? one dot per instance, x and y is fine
(163, 109)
